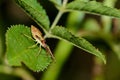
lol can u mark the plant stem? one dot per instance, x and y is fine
(56, 19)
(65, 2)
(60, 13)
(55, 69)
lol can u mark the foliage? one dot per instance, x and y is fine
(18, 46)
(39, 15)
(18, 50)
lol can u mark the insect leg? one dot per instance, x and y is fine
(33, 46)
(28, 36)
(39, 51)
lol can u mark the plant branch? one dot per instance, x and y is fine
(56, 19)
(65, 2)
(60, 13)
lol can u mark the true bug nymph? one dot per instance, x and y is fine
(37, 35)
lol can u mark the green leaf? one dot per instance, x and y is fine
(62, 33)
(93, 7)
(19, 51)
(36, 11)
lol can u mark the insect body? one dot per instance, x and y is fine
(37, 35)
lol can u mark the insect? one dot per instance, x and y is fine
(37, 35)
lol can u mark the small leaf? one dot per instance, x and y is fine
(35, 10)
(93, 7)
(19, 51)
(62, 33)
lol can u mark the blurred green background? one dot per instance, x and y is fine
(72, 63)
